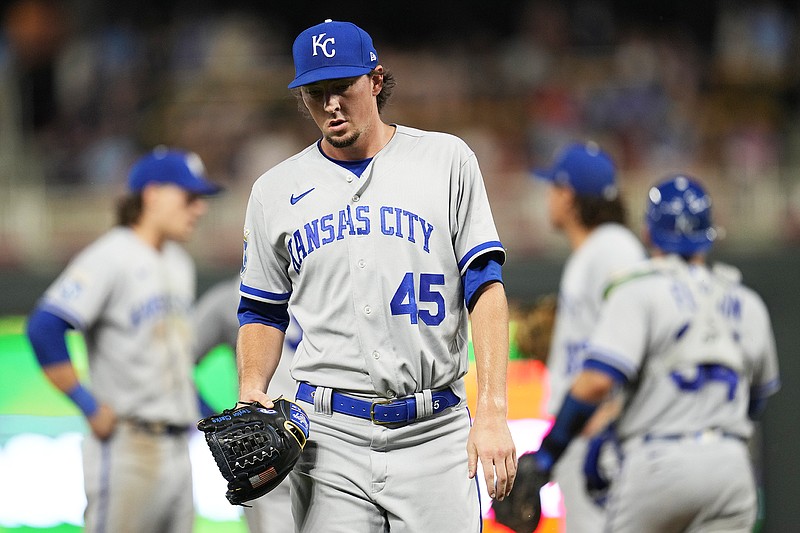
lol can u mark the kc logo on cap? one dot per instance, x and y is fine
(332, 50)
(320, 45)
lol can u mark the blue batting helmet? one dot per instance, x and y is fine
(678, 216)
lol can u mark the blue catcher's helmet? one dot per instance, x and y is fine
(678, 216)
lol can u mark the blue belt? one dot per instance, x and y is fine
(382, 411)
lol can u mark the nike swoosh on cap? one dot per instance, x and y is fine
(294, 199)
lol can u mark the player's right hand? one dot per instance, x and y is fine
(103, 422)
(490, 441)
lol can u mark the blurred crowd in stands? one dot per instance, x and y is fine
(83, 94)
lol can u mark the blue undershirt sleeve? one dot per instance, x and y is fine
(572, 417)
(257, 312)
(46, 333)
(483, 270)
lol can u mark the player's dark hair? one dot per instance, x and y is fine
(383, 96)
(129, 210)
(595, 211)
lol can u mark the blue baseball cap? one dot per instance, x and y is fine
(678, 216)
(332, 50)
(184, 169)
(585, 168)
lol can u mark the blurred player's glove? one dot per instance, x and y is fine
(255, 448)
(535, 329)
(603, 459)
(522, 509)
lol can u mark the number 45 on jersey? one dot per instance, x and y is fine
(411, 298)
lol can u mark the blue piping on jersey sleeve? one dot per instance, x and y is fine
(491, 246)
(479, 274)
(610, 363)
(264, 296)
(256, 312)
(599, 366)
(759, 396)
(46, 332)
(73, 321)
(767, 389)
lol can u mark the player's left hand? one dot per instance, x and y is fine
(248, 396)
(103, 422)
(490, 441)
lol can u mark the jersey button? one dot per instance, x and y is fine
(390, 393)
(376, 355)
(362, 263)
(367, 309)
(356, 198)
(349, 179)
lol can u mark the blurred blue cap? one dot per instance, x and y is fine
(585, 168)
(332, 50)
(678, 216)
(162, 165)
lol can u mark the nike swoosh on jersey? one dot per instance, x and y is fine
(294, 199)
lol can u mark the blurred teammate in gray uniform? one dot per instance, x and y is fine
(586, 206)
(216, 323)
(381, 240)
(694, 352)
(131, 293)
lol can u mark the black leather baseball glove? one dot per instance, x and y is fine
(522, 509)
(254, 447)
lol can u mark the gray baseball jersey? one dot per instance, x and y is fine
(391, 320)
(664, 321)
(693, 344)
(371, 268)
(133, 305)
(608, 249)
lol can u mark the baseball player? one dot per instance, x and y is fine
(381, 240)
(694, 351)
(130, 294)
(216, 323)
(585, 205)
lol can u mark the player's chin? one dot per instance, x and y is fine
(183, 234)
(343, 140)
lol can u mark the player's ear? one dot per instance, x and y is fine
(149, 192)
(376, 78)
(569, 199)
